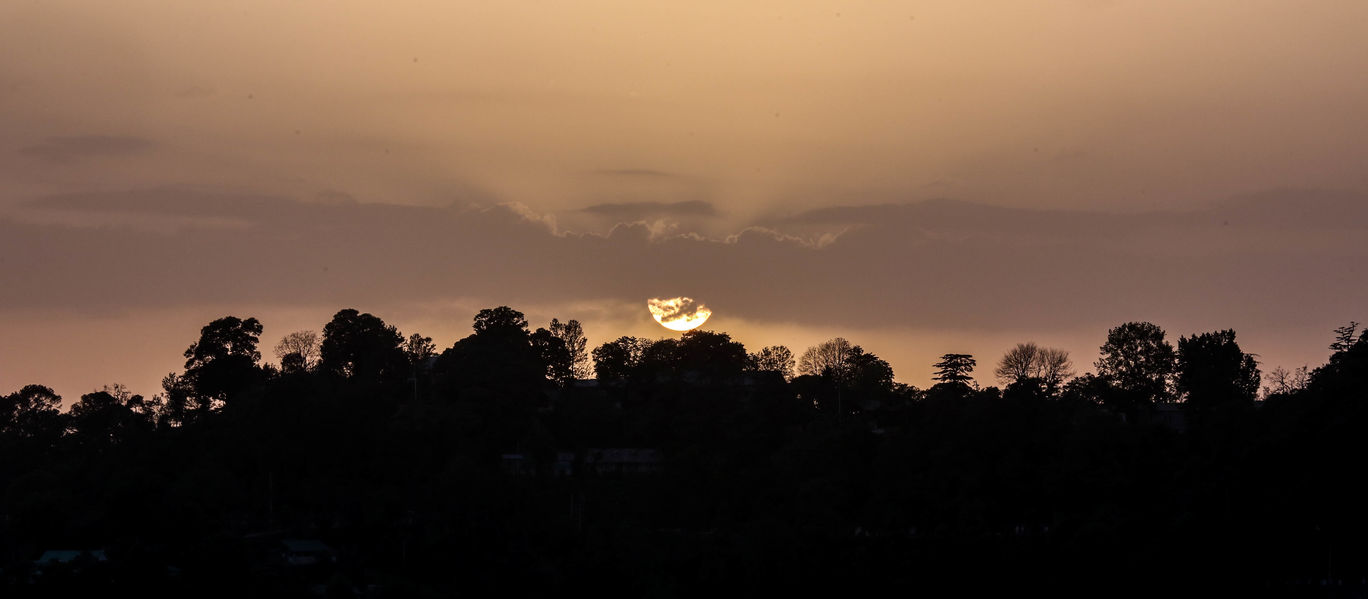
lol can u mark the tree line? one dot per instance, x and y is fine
(776, 472)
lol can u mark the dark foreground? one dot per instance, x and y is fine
(474, 474)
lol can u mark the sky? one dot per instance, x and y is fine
(917, 177)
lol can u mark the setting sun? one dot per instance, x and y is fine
(678, 313)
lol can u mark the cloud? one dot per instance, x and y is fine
(640, 210)
(70, 149)
(954, 217)
(926, 277)
(930, 264)
(167, 201)
(677, 308)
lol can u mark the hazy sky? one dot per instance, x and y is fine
(919, 177)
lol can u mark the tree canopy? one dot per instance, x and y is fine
(618, 359)
(1137, 362)
(1028, 360)
(954, 369)
(1211, 370)
(299, 348)
(826, 358)
(773, 358)
(572, 334)
(224, 360)
(361, 346)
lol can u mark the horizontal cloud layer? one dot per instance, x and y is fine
(1274, 257)
(638, 210)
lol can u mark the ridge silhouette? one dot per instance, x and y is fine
(368, 463)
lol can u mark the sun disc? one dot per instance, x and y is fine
(678, 313)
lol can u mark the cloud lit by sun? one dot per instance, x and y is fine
(678, 313)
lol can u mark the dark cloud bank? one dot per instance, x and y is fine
(1285, 258)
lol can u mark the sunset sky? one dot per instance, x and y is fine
(918, 177)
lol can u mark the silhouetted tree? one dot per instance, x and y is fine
(497, 374)
(895, 490)
(839, 377)
(419, 348)
(659, 360)
(867, 375)
(503, 320)
(1055, 365)
(1347, 371)
(1344, 337)
(1282, 382)
(1028, 388)
(499, 352)
(145, 408)
(108, 417)
(774, 358)
(1087, 388)
(302, 343)
(294, 362)
(1028, 360)
(954, 369)
(33, 411)
(618, 359)
(1137, 362)
(710, 355)
(572, 334)
(554, 354)
(224, 360)
(826, 358)
(1019, 362)
(1213, 371)
(180, 404)
(362, 347)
